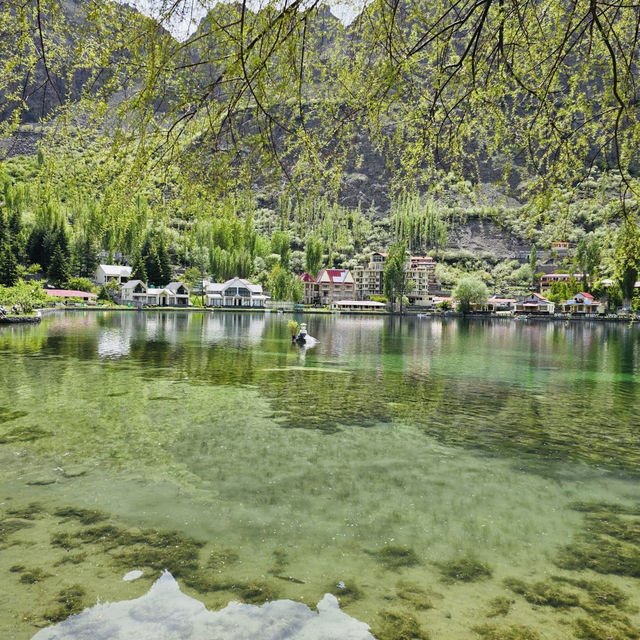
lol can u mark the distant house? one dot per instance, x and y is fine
(549, 279)
(501, 304)
(357, 305)
(175, 294)
(236, 292)
(535, 303)
(70, 293)
(583, 303)
(107, 272)
(330, 286)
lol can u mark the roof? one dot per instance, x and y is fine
(69, 293)
(219, 287)
(174, 286)
(115, 270)
(501, 300)
(539, 297)
(335, 276)
(306, 277)
(588, 296)
(132, 284)
(360, 303)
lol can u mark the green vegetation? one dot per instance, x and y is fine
(464, 570)
(550, 594)
(499, 606)
(398, 625)
(512, 632)
(71, 601)
(394, 557)
(470, 292)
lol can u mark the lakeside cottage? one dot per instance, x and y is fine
(535, 303)
(236, 292)
(108, 272)
(583, 303)
(175, 294)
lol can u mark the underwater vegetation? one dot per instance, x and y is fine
(85, 516)
(464, 570)
(24, 434)
(499, 606)
(398, 625)
(394, 557)
(7, 414)
(70, 601)
(347, 591)
(549, 594)
(609, 542)
(511, 632)
(413, 595)
(31, 576)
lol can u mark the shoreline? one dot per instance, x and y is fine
(422, 315)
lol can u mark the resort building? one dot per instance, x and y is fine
(549, 279)
(357, 305)
(421, 270)
(535, 303)
(236, 292)
(330, 286)
(175, 294)
(369, 279)
(107, 272)
(583, 303)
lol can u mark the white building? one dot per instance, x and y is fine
(175, 294)
(234, 293)
(107, 272)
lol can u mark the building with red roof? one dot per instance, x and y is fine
(330, 286)
(71, 293)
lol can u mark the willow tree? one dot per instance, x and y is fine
(541, 90)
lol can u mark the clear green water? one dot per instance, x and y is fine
(462, 479)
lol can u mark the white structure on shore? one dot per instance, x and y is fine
(175, 294)
(236, 292)
(107, 272)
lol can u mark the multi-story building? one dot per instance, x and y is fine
(330, 286)
(421, 270)
(548, 279)
(369, 279)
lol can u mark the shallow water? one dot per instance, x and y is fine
(463, 479)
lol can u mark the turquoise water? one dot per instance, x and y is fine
(460, 479)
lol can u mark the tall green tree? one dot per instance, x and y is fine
(470, 291)
(395, 277)
(59, 270)
(313, 255)
(8, 266)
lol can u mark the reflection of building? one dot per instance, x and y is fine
(421, 270)
(175, 294)
(107, 272)
(330, 285)
(234, 293)
(535, 303)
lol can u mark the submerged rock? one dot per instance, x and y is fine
(165, 612)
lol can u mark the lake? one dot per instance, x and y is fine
(442, 478)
